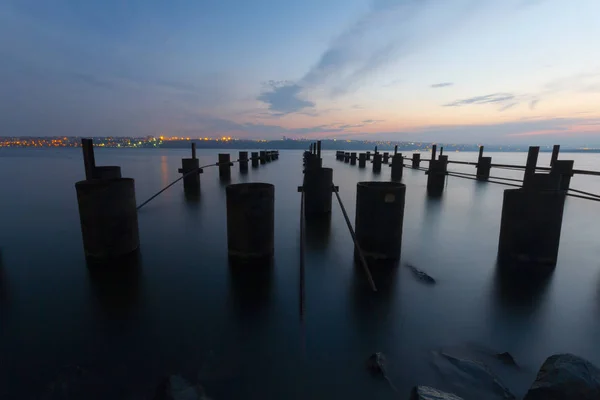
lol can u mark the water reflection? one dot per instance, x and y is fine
(192, 196)
(250, 286)
(521, 289)
(164, 171)
(3, 284)
(116, 285)
(317, 233)
(373, 311)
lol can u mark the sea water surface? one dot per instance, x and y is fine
(183, 310)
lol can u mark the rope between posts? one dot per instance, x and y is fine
(353, 234)
(195, 170)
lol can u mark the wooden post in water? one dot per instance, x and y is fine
(484, 164)
(480, 152)
(255, 159)
(191, 180)
(243, 159)
(368, 156)
(395, 149)
(89, 161)
(377, 163)
(386, 157)
(416, 160)
(436, 176)
(532, 157)
(318, 189)
(397, 167)
(319, 148)
(441, 151)
(362, 160)
(352, 158)
(433, 151)
(225, 166)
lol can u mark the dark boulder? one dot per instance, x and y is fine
(565, 377)
(429, 393)
(469, 378)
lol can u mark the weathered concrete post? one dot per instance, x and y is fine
(564, 169)
(319, 148)
(555, 151)
(386, 157)
(250, 221)
(107, 210)
(416, 160)
(368, 156)
(225, 166)
(441, 151)
(318, 189)
(397, 167)
(532, 218)
(352, 158)
(346, 157)
(436, 176)
(263, 157)
(362, 160)
(376, 162)
(376, 152)
(395, 149)
(191, 180)
(433, 151)
(484, 164)
(313, 162)
(255, 159)
(268, 157)
(243, 157)
(379, 219)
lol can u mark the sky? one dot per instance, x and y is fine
(447, 71)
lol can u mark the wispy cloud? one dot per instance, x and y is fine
(284, 98)
(485, 99)
(442, 84)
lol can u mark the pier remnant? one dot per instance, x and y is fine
(362, 160)
(263, 157)
(317, 187)
(433, 151)
(377, 162)
(368, 156)
(243, 158)
(107, 210)
(397, 167)
(416, 160)
(352, 158)
(191, 180)
(346, 157)
(441, 151)
(255, 159)
(395, 149)
(386, 157)
(484, 165)
(250, 221)
(379, 219)
(225, 166)
(436, 176)
(555, 151)
(532, 217)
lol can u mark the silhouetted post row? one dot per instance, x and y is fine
(397, 167)
(362, 160)
(353, 158)
(243, 159)
(346, 157)
(416, 160)
(255, 159)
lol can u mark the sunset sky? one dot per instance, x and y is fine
(453, 71)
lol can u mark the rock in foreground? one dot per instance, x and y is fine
(429, 393)
(566, 377)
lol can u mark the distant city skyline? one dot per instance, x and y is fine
(450, 71)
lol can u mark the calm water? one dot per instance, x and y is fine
(184, 311)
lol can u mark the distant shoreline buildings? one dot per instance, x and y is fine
(281, 144)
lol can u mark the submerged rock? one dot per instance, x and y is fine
(376, 363)
(470, 377)
(429, 393)
(565, 376)
(422, 276)
(507, 358)
(176, 387)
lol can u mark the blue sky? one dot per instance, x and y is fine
(483, 71)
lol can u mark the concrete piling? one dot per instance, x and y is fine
(433, 150)
(362, 160)
(376, 162)
(346, 157)
(319, 148)
(225, 166)
(386, 157)
(243, 159)
(250, 221)
(397, 167)
(379, 219)
(555, 151)
(352, 158)
(107, 210)
(395, 149)
(441, 151)
(564, 170)
(368, 156)
(255, 159)
(484, 165)
(263, 157)
(436, 176)
(532, 216)
(191, 180)
(317, 187)
(416, 160)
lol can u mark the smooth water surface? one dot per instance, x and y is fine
(183, 310)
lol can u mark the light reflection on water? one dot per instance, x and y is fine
(184, 309)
